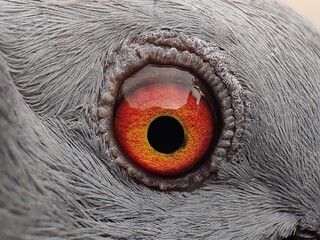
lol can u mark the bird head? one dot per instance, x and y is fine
(63, 174)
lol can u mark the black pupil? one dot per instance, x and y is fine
(165, 134)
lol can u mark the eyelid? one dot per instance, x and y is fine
(202, 58)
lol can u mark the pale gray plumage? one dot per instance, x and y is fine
(58, 180)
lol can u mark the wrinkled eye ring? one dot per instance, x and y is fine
(205, 60)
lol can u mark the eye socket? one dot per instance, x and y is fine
(219, 89)
(163, 121)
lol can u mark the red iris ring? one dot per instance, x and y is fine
(149, 95)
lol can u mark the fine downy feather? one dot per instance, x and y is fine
(58, 179)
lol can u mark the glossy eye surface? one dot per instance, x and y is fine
(163, 120)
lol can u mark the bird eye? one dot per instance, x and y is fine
(163, 121)
(169, 111)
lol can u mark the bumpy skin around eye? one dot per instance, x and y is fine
(58, 180)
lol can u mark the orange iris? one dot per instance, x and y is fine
(165, 127)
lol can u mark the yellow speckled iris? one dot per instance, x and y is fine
(135, 114)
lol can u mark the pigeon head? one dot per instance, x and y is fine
(63, 174)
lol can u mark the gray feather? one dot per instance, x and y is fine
(59, 181)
